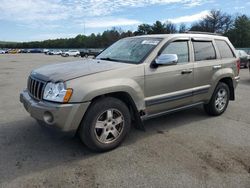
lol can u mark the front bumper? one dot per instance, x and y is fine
(66, 117)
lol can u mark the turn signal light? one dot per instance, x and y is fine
(67, 95)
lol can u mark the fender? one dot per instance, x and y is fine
(218, 75)
(89, 91)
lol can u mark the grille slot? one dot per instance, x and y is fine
(35, 88)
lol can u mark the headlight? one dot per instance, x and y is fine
(57, 92)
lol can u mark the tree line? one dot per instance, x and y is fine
(236, 28)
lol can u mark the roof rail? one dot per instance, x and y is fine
(199, 32)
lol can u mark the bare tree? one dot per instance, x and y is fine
(182, 28)
(215, 22)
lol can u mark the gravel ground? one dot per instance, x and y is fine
(185, 149)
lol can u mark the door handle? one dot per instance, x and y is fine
(215, 67)
(188, 71)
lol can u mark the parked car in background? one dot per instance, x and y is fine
(55, 52)
(45, 51)
(35, 51)
(135, 79)
(249, 68)
(91, 52)
(2, 51)
(244, 58)
(247, 51)
(24, 51)
(13, 51)
(74, 53)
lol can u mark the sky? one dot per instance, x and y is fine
(30, 20)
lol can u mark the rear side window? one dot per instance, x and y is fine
(180, 48)
(224, 49)
(204, 50)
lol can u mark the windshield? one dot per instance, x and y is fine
(129, 50)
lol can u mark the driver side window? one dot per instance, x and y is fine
(180, 48)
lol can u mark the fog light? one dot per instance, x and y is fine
(48, 117)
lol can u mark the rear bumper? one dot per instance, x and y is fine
(236, 81)
(66, 117)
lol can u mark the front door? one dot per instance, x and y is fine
(170, 86)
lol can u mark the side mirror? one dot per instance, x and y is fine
(166, 59)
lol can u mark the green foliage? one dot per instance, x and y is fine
(157, 28)
(144, 29)
(239, 34)
(80, 41)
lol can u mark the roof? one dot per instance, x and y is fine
(193, 35)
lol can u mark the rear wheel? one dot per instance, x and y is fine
(105, 125)
(219, 101)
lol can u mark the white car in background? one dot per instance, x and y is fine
(74, 53)
(45, 51)
(2, 52)
(244, 58)
(54, 52)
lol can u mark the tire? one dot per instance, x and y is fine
(114, 124)
(219, 101)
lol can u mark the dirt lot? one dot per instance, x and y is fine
(185, 149)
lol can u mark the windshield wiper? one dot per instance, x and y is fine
(108, 59)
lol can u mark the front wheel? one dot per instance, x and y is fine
(105, 125)
(219, 101)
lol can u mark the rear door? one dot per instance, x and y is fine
(206, 63)
(168, 87)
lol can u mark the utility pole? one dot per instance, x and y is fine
(84, 28)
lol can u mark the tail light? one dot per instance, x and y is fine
(238, 66)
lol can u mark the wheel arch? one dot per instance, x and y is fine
(128, 100)
(229, 82)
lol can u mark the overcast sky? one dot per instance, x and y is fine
(27, 20)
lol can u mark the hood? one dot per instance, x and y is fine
(71, 70)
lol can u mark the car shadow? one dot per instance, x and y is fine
(245, 81)
(165, 123)
(28, 148)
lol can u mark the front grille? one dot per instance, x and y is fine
(35, 88)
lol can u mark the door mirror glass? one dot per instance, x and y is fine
(166, 59)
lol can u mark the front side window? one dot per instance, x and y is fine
(204, 50)
(224, 49)
(180, 48)
(130, 50)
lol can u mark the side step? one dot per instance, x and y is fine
(146, 117)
